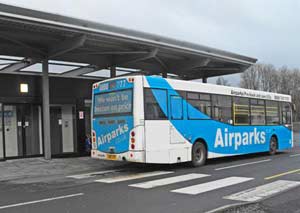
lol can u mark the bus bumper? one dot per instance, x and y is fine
(131, 156)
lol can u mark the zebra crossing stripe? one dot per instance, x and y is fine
(263, 191)
(167, 181)
(132, 176)
(210, 186)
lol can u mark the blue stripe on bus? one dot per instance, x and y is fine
(221, 138)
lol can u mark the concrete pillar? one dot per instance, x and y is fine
(46, 111)
(113, 72)
(204, 80)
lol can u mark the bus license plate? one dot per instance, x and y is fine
(111, 157)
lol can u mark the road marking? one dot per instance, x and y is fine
(282, 174)
(244, 164)
(295, 155)
(168, 181)
(263, 191)
(209, 186)
(91, 174)
(41, 201)
(132, 176)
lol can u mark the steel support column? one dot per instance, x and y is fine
(164, 74)
(46, 111)
(113, 72)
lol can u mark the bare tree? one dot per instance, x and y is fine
(250, 78)
(260, 77)
(267, 78)
(222, 81)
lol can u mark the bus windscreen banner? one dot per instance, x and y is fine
(113, 103)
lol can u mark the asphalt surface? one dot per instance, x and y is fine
(71, 194)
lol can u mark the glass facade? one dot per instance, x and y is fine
(21, 121)
(22, 130)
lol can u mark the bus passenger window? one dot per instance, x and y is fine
(272, 113)
(153, 109)
(257, 110)
(200, 102)
(286, 113)
(222, 110)
(241, 111)
(176, 108)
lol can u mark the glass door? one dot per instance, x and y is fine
(22, 130)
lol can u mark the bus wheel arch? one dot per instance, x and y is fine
(199, 153)
(273, 145)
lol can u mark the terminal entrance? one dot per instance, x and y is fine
(22, 130)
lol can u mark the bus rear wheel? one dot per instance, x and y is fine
(199, 154)
(273, 146)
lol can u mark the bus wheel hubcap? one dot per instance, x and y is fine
(199, 154)
(273, 145)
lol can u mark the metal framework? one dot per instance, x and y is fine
(37, 36)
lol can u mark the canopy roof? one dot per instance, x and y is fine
(32, 36)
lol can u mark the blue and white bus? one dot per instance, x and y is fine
(151, 119)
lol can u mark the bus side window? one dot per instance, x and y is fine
(272, 113)
(153, 109)
(222, 109)
(200, 102)
(257, 112)
(286, 113)
(241, 112)
(176, 108)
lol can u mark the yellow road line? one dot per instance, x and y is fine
(282, 174)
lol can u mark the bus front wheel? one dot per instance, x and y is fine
(273, 146)
(199, 154)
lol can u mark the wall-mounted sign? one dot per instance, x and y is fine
(81, 115)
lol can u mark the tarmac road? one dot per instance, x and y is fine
(272, 181)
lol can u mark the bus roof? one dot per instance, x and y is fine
(193, 86)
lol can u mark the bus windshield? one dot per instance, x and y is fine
(113, 103)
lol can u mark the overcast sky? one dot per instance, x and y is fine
(268, 30)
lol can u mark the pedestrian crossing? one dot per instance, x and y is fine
(168, 181)
(121, 178)
(212, 185)
(263, 191)
(205, 183)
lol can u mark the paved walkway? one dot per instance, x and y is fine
(37, 167)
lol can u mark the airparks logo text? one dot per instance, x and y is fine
(237, 139)
(106, 138)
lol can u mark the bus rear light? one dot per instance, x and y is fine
(131, 155)
(93, 136)
(95, 86)
(130, 80)
(132, 140)
(132, 146)
(132, 134)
